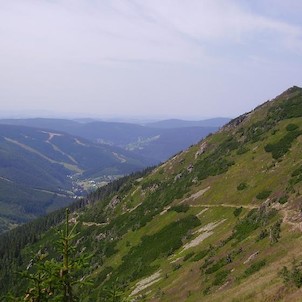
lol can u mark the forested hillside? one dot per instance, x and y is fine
(40, 170)
(221, 221)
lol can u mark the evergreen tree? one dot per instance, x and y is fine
(56, 280)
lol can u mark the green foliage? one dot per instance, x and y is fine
(242, 149)
(253, 220)
(114, 293)
(17, 239)
(206, 291)
(297, 172)
(216, 162)
(255, 267)
(200, 255)
(138, 262)
(182, 208)
(263, 194)
(188, 256)
(281, 147)
(293, 275)
(275, 231)
(237, 211)
(176, 266)
(291, 127)
(211, 167)
(283, 199)
(289, 108)
(55, 280)
(263, 234)
(296, 176)
(216, 266)
(256, 131)
(242, 186)
(207, 262)
(221, 277)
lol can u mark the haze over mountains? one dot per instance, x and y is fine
(177, 123)
(44, 163)
(220, 221)
(155, 143)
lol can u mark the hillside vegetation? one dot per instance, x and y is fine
(39, 169)
(220, 221)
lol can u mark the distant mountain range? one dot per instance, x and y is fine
(44, 163)
(176, 123)
(155, 143)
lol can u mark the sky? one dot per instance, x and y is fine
(190, 59)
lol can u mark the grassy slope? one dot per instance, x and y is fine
(133, 236)
(183, 280)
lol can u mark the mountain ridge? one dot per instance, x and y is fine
(142, 140)
(220, 220)
(179, 123)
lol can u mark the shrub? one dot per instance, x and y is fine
(253, 220)
(297, 172)
(206, 291)
(137, 263)
(281, 147)
(263, 195)
(291, 127)
(220, 277)
(180, 208)
(275, 231)
(293, 276)
(200, 255)
(255, 267)
(176, 266)
(188, 256)
(216, 266)
(242, 150)
(283, 199)
(296, 176)
(263, 234)
(241, 186)
(207, 262)
(237, 211)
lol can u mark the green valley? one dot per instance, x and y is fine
(42, 170)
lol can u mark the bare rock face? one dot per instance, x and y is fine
(236, 121)
(190, 168)
(177, 177)
(202, 149)
(114, 202)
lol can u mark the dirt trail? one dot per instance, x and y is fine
(94, 224)
(225, 205)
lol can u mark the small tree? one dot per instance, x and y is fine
(55, 280)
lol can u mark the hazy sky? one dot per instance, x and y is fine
(166, 58)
